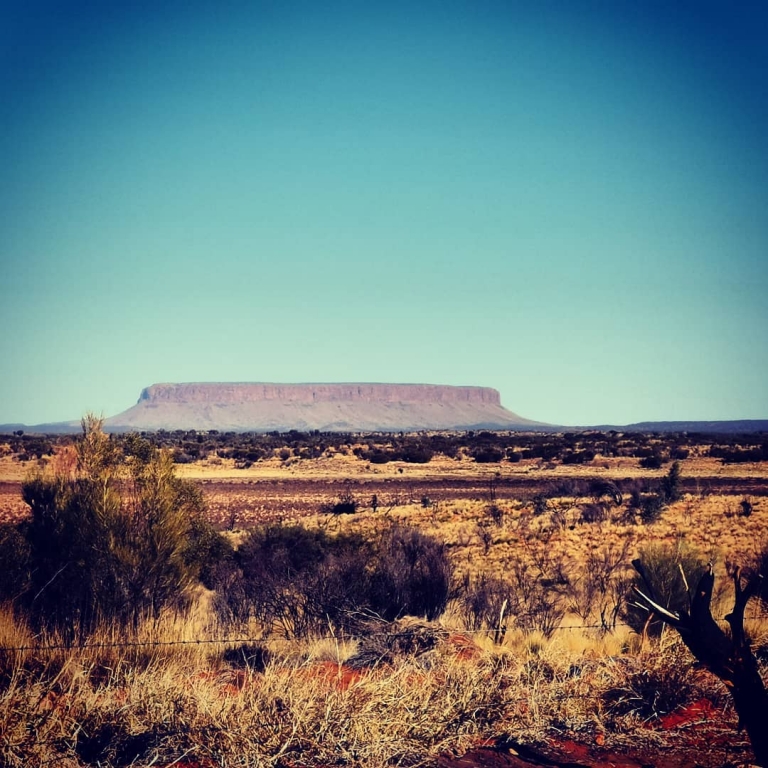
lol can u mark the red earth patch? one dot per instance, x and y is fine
(696, 712)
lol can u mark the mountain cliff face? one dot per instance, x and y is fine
(327, 407)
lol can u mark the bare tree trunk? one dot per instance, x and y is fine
(731, 659)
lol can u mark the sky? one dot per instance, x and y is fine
(566, 201)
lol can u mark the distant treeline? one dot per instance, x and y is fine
(651, 449)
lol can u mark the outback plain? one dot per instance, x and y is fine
(449, 599)
(336, 276)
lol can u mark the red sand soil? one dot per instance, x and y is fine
(695, 752)
(694, 736)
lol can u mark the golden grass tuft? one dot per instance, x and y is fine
(124, 706)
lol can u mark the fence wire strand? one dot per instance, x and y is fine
(244, 640)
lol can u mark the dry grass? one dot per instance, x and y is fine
(710, 524)
(158, 701)
(139, 707)
(275, 489)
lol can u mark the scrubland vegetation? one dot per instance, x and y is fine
(378, 630)
(576, 448)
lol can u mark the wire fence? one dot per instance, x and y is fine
(244, 640)
(74, 740)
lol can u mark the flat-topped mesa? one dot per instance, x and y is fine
(261, 407)
(227, 394)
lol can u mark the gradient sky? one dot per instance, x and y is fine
(567, 201)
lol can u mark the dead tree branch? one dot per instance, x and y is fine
(729, 658)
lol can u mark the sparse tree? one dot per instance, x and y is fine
(119, 538)
(670, 484)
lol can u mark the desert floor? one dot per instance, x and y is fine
(486, 514)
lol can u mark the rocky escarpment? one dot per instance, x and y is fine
(327, 407)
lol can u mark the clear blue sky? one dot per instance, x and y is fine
(567, 201)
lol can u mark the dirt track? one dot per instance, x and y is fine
(269, 499)
(256, 500)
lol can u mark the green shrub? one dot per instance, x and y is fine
(120, 540)
(664, 566)
(671, 484)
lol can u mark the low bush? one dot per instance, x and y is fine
(119, 539)
(738, 454)
(759, 564)
(293, 580)
(654, 461)
(417, 454)
(600, 488)
(595, 512)
(651, 507)
(412, 575)
(525, 597)
(650, 686)
(484, 602)
(15, 556)
(488, 455)
(296, 581)
(577, 457)
(346, 504)
(664, 566)
(540, 504)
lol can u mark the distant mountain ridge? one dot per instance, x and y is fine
(263, 407)
(364, 407)
(733, 427)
